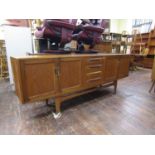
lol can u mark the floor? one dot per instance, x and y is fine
(130, 111)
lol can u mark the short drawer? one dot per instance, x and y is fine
(93, 75)
(96, 80)
(93, 61)
(94, 68)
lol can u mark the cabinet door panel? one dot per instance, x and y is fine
(111, 69)
(124, 67)
(70, 75)
(40, 79)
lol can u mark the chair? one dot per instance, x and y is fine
(57, 31)
(90, 35)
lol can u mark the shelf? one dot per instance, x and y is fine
(2, 55)
(153, 45)
(141, 38)
(139, 44)
(152, 37)
(126, 35)
(107, 41)
(145, 33)
(117, 40)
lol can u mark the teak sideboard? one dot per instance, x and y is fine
(41, 77)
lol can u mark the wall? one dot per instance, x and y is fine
(114, 25)
(119, 25)
(18, 42)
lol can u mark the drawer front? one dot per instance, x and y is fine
(94, 68)
(93, 71)
(94, 81)
(93, 61)
(94, 75)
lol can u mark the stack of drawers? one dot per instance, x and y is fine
(94, 71)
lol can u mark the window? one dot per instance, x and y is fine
(142, 25)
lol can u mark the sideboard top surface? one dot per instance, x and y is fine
(55, 56)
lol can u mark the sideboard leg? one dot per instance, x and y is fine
(115, 86)
(57, 115)
(153, 83)
(46, 101)
(57, 108)
(50, 103)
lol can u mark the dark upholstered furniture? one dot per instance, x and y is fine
(57, 31)
(90, 34)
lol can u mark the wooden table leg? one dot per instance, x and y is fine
(58, 108)
(51, 104)
(47, 102)
(115, 86)
(152, 86)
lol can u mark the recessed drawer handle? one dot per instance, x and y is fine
(94, 59)
(94, 73)
(95, 66)
(92, 80)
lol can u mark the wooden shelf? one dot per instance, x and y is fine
(139, 44)
(3, 60)
(153, 71)
(153, 44)
(146, 37)
(152, 36)
(140, 40)
(117, 41)
(106, 41)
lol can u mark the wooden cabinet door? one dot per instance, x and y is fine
(70, 75)
(124, 67)
(153, 71)
(39, 79)
(111, 69)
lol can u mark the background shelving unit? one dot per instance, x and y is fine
(115, 42)
(105, 45)
(153, 78)
(140, 41)
(126, 42)
(143, 41)
(144, 44)
(151, 43)
(3, 61)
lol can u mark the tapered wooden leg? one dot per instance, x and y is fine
(153, 84)
(46, 102)
(57, 114)
(58, 105)
(115, 86)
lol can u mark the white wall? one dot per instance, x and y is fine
(114, 25)
(18, 42)
(119, 25)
